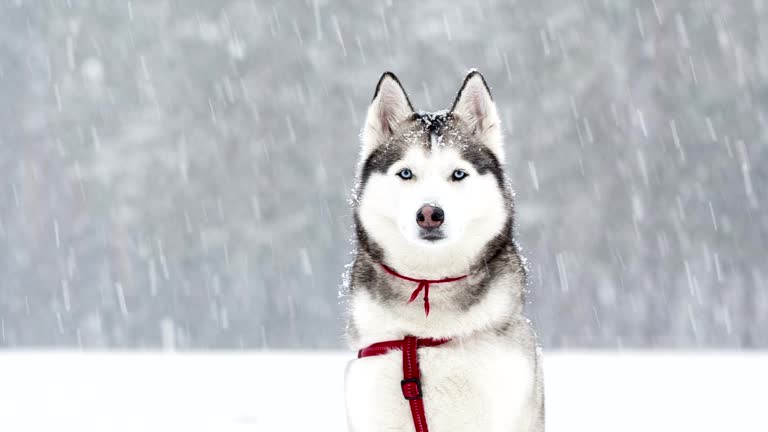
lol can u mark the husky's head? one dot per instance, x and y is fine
(431, 186)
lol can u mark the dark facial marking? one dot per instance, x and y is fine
(432, 123)
(409, 133)
(380, 160)
(475, 152)
(484, 161)
(365, 243)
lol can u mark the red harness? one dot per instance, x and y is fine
(411, 382)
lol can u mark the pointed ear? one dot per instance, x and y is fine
(389, 107)
(474, 105)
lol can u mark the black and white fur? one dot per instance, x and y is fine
(488, 378)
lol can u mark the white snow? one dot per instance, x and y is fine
(300, 391)
(93, 70)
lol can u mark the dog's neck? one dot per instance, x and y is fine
(431, 265)
(489, 296)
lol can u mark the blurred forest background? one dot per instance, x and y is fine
(176, 173)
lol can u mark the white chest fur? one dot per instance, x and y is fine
(469, 385)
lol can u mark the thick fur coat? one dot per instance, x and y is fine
(489, 376)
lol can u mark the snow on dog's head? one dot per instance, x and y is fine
(431, 190)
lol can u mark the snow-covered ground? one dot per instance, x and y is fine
(301, 391)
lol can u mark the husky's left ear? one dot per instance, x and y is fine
(475, 106)
(389, 107)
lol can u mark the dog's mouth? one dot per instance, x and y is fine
(431, 235)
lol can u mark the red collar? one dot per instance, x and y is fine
(411, 382)
(423, 284)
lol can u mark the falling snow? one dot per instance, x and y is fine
(177, 174)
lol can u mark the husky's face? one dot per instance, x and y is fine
(431, 182)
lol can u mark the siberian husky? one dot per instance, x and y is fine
(432, 202)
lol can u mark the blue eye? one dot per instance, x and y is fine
(459, 175)
(405, 174)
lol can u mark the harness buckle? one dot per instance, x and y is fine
(411, 388)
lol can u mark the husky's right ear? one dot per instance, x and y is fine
(389, 107)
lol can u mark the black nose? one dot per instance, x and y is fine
(430, 217)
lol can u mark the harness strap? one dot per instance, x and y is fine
(411, 382)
